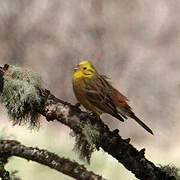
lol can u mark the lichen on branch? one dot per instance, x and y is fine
(20, 95)
(91, 134)
(63, 165)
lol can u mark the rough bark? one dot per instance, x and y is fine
(3, 173)
(111, 142)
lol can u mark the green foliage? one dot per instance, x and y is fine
(85, 142)
(171, 170)
(20, 95)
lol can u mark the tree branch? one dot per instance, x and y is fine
(3, 173)
(110, 142)
(73, 169)
(94, 133)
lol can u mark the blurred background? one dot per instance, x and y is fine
(136, 43)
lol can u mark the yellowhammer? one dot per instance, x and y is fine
(97, 95)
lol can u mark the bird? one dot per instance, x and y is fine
(97, 95)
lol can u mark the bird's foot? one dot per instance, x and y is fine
(93, 115)
(77, 105)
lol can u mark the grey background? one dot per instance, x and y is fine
(136, 43)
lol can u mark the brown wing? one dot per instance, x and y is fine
(98, 91)
(120, 101)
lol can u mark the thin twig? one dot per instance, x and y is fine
(63, 165)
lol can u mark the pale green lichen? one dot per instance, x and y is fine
(85, 142)
(20, 95)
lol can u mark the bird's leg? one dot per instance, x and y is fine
(93, 114)
(88, 114)
(95, 117)
(77, 105)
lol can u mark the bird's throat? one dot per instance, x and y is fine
(80, 75)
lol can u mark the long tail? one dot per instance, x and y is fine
(116, 115)
(141, 123)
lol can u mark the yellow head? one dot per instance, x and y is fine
(85, 69)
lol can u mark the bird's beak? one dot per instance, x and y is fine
(76, 68)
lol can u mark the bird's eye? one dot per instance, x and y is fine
(84, 68)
